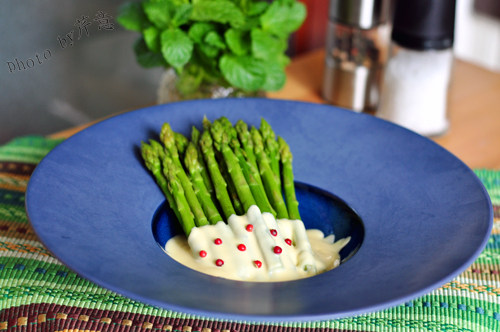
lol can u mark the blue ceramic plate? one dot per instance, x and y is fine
(425, 215)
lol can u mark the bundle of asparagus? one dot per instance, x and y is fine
(222, 171)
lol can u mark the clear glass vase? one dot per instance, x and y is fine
(168, 90)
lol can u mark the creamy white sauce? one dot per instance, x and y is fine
(308, 252)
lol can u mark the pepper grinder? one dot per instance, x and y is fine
(417, 75)
(356, 44)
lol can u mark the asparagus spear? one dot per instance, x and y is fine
(221, 142)
(185, 214)
(174, 195)
(167, 137)
(193, 165)
(238, 206)
(220, 185)
(217, 129)
(159, 150)
(288, 184)
(246, 141)
(271, 186)
(206, 123)
(181, 142)
(252, 177)
(250, 171)
(169, 166)
(271, 147)
(151, 158)
(195, 138)
(228, 127)
(172, 161)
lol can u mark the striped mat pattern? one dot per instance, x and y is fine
(38, 293)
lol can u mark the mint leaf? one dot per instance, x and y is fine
(131, 16)
(208, 50)
(238, 41)
(212, 38)
(275, 76)
(221, 11)
(176, 47)
(198, 33)
(282, 18)
(266, 46)
(151, 37)
(182, 14)
(209, 66)
(145, 57)
(199, 30)
(283, 60)
(256, 8)
(251, 22)
(159, 12)
(244, 72)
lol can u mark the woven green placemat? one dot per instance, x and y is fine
(38, 293)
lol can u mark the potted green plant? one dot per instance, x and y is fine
(230, 47)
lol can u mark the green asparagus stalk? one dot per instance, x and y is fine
(159, 149)
(172, 161)
(167, 137)
(238, 206)
(252, 177)
(195, 138)
(151, 156)
(248, 149)
(246, 141)
(243, 189)
(272, 187)
(288, 184)
(271, 147)
(249, 168)
(217, 130)
(181, 142)
(186, 217)
(206, 123)
(171, 188)
(228, 128)
(193, 165)
(220, 185)
(221, 141)
(169, 165)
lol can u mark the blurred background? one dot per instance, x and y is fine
(67, 85)
(65, 63)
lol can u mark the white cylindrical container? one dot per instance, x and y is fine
(415, 90)
(417, 75)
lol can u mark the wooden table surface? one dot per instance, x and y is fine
(474, 107)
